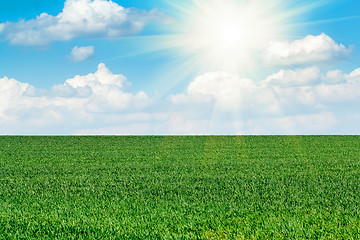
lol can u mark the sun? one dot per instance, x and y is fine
(230, 33)
(217, 25)
(226, 34)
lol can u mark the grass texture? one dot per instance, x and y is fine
(172, 187)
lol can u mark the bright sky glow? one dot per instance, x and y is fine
(225, 34)
(217, 35)
(179, 67)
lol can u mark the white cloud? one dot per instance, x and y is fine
(77, 102)
(288, 92)
(102, 77)
(79, 54)
(103, 91)
(225, 89)
(12, 94)
(80, 18)
(354, 76)
(2, 27)
(214, 103)
(293, 78)
(309, 50)
(228, 91)
(319, 123)
(325, 92)
(334, 77)
(344, 92)
(170, 123)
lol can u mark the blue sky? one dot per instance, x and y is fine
(179, 67)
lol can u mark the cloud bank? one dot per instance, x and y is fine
(298, 101)
(80, 18)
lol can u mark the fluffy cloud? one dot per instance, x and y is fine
(299, 101)
(12, 94)
(80, 18)
(289, 92)
(231, 91)
(79, 54)
(103, 91)
(346, 89)
(326, 92)
(228, 92)
(78, 101)
(354, 77)
(310, 50)
(214, 103)
(334, 77)
(310, 88)
(318, 123)
(292, 78)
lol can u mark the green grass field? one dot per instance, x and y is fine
(231, 187)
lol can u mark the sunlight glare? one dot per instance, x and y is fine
(225, 35)
(230, 33)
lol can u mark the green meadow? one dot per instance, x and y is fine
(172, 187)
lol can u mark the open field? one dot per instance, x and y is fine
(230, 187)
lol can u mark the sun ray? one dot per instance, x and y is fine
(325, 21)
(304, 8)
(221, 35)
(227, 34)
